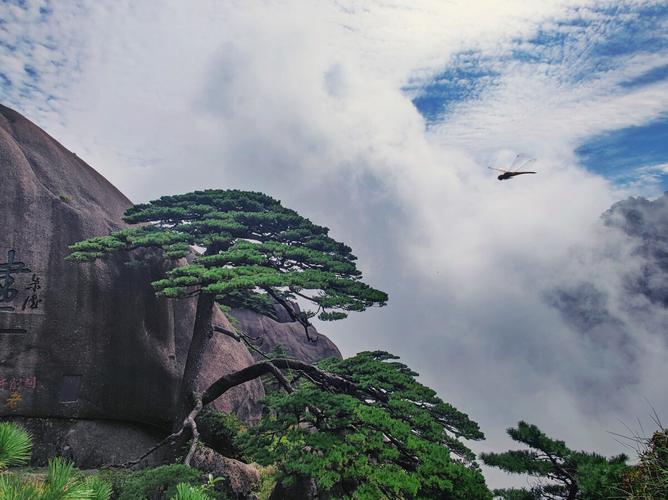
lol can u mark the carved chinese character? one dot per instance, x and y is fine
(31, 302)
(30, 382)
(34, 284)
(13, 400)
(7, 270)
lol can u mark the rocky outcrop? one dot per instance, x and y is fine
(646, 223)
(226, 355)
(90, 443)
(240, 479)
(270, 334)
(86, 341)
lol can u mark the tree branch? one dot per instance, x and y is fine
(288, 308)
(190, 422)
(229, 333)
(226, 382)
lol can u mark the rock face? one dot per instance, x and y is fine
(618, 307)
(240, 478)
(646, 222)
(90, 443)
(227, 355)
(271, 334)
(86, 341)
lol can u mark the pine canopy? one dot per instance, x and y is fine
(395, 438)
(562, 472)
(253, 252)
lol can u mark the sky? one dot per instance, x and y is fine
(379, 119)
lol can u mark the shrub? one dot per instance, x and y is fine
(158, 483)
(116, 477)
(62, 482)
(186, 491)
(649, 479)
(219, 431)
(15, 445)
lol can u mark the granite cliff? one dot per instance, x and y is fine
(90, 358)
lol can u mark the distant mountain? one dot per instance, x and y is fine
(646, 222)
(613, 298)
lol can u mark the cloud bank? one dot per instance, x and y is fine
(379, 119)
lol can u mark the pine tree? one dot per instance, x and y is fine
(561, 472)
(62, 482)
(384, 435)
(648, 479)
(253, 253)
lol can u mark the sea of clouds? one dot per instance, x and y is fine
(512, 299)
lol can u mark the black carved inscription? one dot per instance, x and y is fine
(32, 301)
(13, 330)
(7, 272)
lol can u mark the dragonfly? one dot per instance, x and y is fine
(515, 168)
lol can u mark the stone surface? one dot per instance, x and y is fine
(645, 222)
(89, 443)
(240, 478)
(98, 344)
(290, 335)
(225, 356)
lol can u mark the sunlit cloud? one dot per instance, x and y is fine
(379, 119)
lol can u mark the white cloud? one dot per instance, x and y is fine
(304, 101)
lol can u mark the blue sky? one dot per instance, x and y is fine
(582, 48)
(618, 48)
(628, 154)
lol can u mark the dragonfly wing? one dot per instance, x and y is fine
(523, 164)
(515, 163)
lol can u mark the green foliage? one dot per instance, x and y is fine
(649, 479)
(269, 382)
(185, 491)
(62, 482)
(116, 477)
(278, 351)
(563, 473)
(395, 439)
(261, 303)
(102, 490)
(267, 482)
(12, 486)
(15, 445)
(256, 251)
(219, 431)
(158, 483)
(516, 494)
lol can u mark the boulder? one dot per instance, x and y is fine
(90, 443)
(270, 334)
(224, 356)
(86, 341)
(240, 479)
